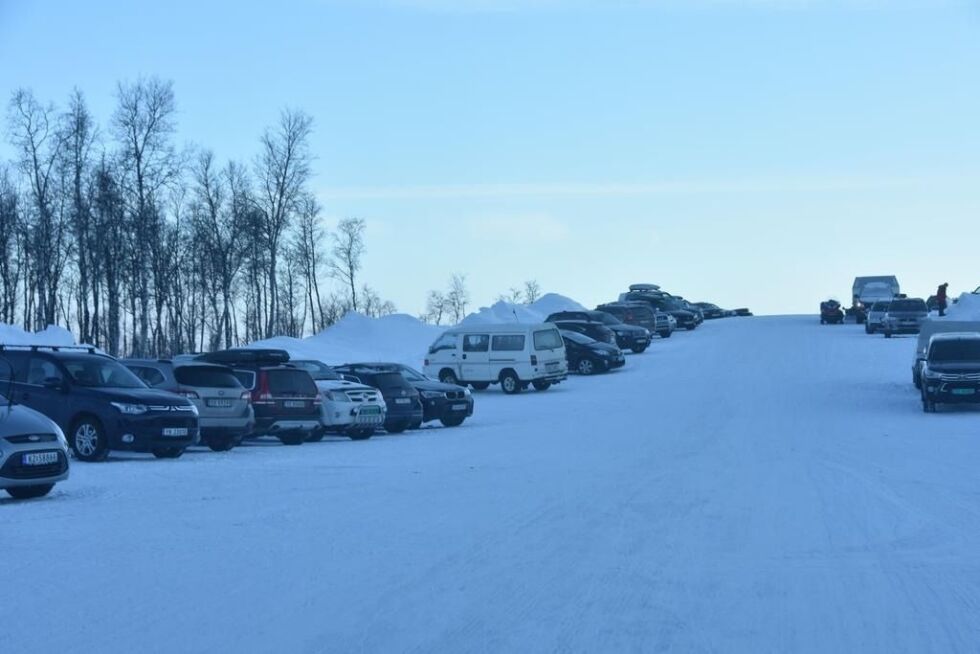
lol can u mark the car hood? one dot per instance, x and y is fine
(140, 396)
(435, 386)
(341, 385)
(680, 313)
(956, 367)
(19, 419)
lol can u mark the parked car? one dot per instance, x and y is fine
(831, 313)
(875, 316)
(285, 399)
(347, 407)
(663, 302)
(588, 356)
(33, 449)
(904, 316)
(741, 313)
(951, 372)
(99, 403)
(403, 401)
(629, 337)
(515, 356)
(689, 306)
(450, 404)
(593, 330)
(640, 314)
(224, 406)
(711, 311)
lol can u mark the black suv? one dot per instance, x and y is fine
(285, 399)
(403, 401)
(99, 403)
(663, 302)
(711, 311)
(639, 314)
(448, 403)
(629, 337)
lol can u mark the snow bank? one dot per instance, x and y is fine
(400, 338)
(967, 308)
(53, 335)
(507, 312)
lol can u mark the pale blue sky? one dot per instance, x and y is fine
(755, 153)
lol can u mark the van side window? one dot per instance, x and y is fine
(39, 369)
(476, 343)
(444, 342)
(508, 343)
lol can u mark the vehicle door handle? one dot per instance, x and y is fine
(464, 356)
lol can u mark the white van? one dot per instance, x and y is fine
(514, 355)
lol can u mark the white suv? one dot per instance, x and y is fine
(348, 408)
(515, 356)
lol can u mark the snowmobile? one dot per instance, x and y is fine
(831, 313)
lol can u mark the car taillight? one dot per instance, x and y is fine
(262, 394)
(247, 396)
(534, 359)
(189, 394)
(426, 361)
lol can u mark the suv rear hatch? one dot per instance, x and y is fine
(286, 393)
(214, 389)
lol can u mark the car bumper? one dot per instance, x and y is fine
(345, 416)
(952, 392)
(630, 342)
(273, 426)
(147, 434)
(14, 473)
(438, 408)
(902, 328)
(225, 426)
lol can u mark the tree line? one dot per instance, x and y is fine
(144, 249)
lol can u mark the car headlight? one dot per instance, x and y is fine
(194, 410)
(466, 392)
(432, 395)
(337, 396)
(130, 409)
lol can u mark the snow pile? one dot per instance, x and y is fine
(967, 308)
(52, 335)
(508, 312)
(400, 338)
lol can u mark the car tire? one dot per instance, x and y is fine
(447, 376)
(928, 404)
(88, 440)
(29, 492)
(222, 443)
(452, 422)
(888, 334)
(293, 438)
(640, 349)
(480, 386)
(360, 434)
(541, 385)
(666, 333)
(585, 367)
(397, 429)
(168, 452)
(510, 383)
(316, 436)
(917, 381)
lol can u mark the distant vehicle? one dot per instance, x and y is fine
(951, 372)
(663, 302)
(629, 337)
(867, 290)
(33, 449)
(831, 313)
(448, 403)
(285, 399)
(904, 316)
(515, 356)
(689, 306)
(347, 407)
(644, 287)
(875, 318)
(404, 404)
(711, 311)
(224, 407)
(593, 330)
(640, 314)
(99, 404)
(588, 356)
(741, 313)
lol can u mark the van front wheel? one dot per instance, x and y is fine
(510, 383)
(447, 376)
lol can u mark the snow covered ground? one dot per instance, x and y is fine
(760, 485)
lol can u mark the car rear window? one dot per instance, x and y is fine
(389, 380)
(509, 343)
(245, 377)
(962, 350)
(291, 382)
(208, 377)
(548, 339)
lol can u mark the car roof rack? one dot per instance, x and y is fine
(245, 356)
(91, 349)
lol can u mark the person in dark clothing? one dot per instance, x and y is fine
(941, 298)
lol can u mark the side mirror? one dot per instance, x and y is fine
(54, 383)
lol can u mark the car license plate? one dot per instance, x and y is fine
(370, 410)
(40, 458)
(402, 400)
(551, 365)
(459, 407)
(219, 403)
(175, 431)
(963, 391)
(294, 404)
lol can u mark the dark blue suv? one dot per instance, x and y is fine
(99, 403)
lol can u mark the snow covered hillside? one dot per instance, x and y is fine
(759, 485)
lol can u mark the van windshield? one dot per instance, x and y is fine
(548, 339)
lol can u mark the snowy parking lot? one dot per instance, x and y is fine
(760, 485)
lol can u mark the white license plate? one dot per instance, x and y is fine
(175, 431)
(551, 365)
(459, 407)
(403, 400)
(219, 403)
(963, 391)
(294, 404)
(40, 458)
